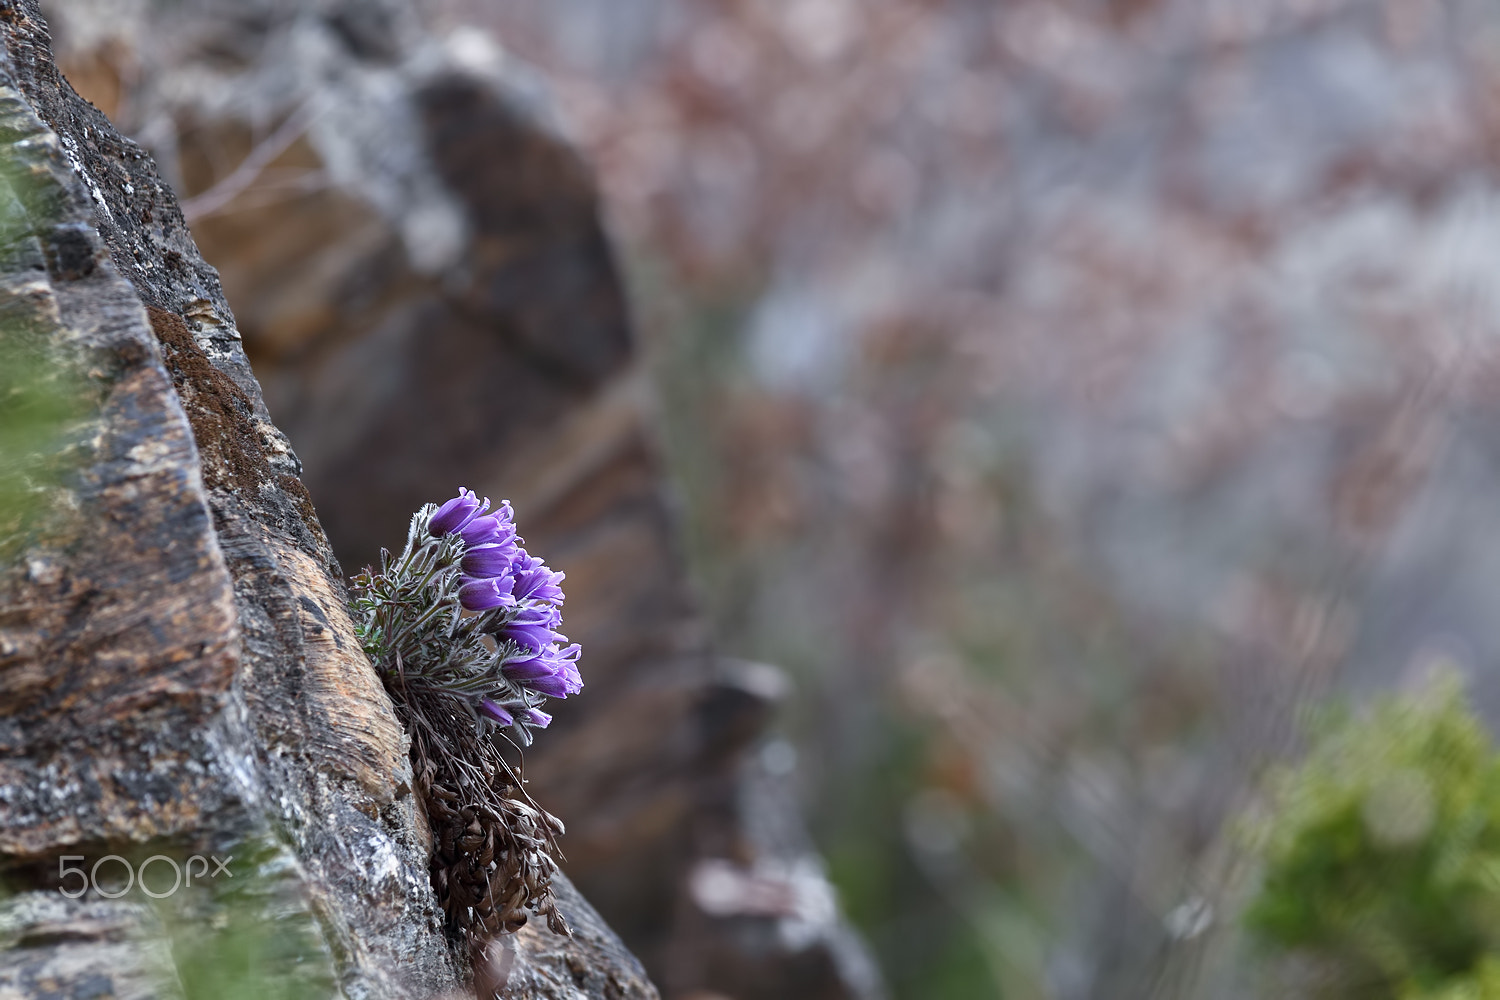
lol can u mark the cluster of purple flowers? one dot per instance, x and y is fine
(498, 575)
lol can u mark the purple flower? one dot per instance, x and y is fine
(551, 671)
(496, 712)
(567, 660)
(534, 628)
(509, 612)
(494, 528)
(535, 579)
(456, 513)
(486, 593)
(531, 668)
(552, 686)
(488, 560)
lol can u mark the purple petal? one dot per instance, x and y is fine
(534, 628)
(491, 529)
(567, 661)
(530, 669)
(484, 594)
(551, 686)
(535, 580)
(456, 513)
(488, 560)
(532, 637)
(536, 717)
(496, 712)
(552, 671)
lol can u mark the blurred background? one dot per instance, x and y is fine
(1062, 393)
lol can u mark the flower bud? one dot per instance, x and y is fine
(487, 560)
(495, 711)
(456, 513)
(484, 594)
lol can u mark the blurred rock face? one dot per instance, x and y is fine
(1114, 377)
(424, 288)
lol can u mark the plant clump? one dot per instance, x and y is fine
(463, 627)
(1382, 856)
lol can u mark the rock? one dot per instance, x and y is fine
(424, 284)
(50, 946)
(179, 672)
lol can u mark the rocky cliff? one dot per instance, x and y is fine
(179, 675)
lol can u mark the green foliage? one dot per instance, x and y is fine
(252, 938)
(40, 396)
(38, 399)
(933, 943)
(1382, 855)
